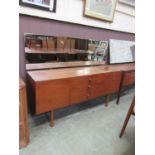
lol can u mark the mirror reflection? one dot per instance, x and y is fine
(44, 49)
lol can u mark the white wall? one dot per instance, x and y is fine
(72, 11)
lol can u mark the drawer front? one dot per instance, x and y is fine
(78, 89)
(51, 95)
(129, 78)
(105, 84)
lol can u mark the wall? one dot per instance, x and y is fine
(72, 11)
(28, 24)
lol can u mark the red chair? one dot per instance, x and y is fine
(130, 112)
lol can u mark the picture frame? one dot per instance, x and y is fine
(100, 9)
(47, 5)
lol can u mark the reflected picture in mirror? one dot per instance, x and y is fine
(49, 5)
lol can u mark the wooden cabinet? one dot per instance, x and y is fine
(23, 123)
(54, 94)
(58, 88)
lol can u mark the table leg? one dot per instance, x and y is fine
(52, 118)
(107, 100)
(120, 88)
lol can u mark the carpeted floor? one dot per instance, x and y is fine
(84, 129)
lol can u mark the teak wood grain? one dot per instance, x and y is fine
(23, 123)
(58, 88)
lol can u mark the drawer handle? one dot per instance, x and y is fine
(88, 95)
(89, 80)
(89, 86)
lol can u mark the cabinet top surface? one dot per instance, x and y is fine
(54, 74)
(51, 65)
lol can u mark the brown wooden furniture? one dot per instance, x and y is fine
(55, 65)
(130, 112)
(23, 123)
(128, 78)
(53, 89)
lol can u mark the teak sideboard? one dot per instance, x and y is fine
(57, 88)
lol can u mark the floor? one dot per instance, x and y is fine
(84, 129)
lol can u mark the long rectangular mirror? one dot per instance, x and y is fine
(53, 50)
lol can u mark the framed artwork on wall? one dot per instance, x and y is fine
(100, 9)
(48, 5)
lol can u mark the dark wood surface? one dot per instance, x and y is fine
(54, 65)
(23, 123)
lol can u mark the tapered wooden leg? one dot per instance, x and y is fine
(120, 88)
(124, 125)
(118, 97)
(130, 112)
(52, 118)
(107, 100)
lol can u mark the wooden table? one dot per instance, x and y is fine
(57, 88)
(54, 65)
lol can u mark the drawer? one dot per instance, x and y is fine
(78, 82)
(51, 95)
(129, 78)
(105, 84)
(106, 78)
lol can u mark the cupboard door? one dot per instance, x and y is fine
(104, 84)
(78, 89)
(51, 95)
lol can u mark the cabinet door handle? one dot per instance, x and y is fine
(89, 86)
(89, 79)
(88, 95)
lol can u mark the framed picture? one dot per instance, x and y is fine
(48, 5)
(100, 9)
